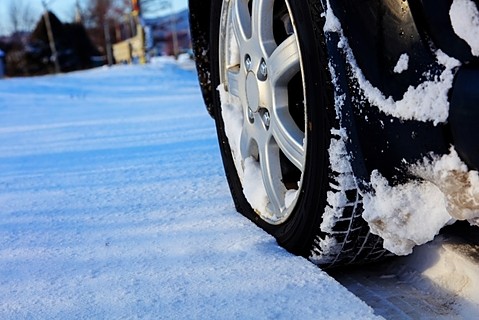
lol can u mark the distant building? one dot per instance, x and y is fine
(163, 32)
(75, 51)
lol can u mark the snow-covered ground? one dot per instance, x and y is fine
(114, 205)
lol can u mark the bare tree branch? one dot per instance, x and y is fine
(21, 17)
(100, 13)
(151, 8)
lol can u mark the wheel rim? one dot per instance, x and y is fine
(263, 106)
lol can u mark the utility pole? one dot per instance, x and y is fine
(174, 33)
(109, 55)
(51, 39)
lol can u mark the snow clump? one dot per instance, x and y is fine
(406, 215)
(412, 213)
(459, 184)
(402, 64)
(465, 22)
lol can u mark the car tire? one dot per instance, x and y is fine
(280, 139)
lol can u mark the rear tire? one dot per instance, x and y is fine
(282, 150)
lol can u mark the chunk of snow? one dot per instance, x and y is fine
(459, 184)
(332, 23)
(464, 16)
(412, 213)
(406, 215)
(402, 64)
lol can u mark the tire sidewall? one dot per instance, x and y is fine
(297, 233)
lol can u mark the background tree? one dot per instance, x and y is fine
(152, 8)
(20, 16)
(99, 16)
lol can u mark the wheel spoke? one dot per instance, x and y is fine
(271, 169)
(284, 61)
(288, 136)
(245, 144)
(232, 75)
(267, 144)
(241, 21)
(262, 20)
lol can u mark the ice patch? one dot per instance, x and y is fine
(465, 22)
(402, 64)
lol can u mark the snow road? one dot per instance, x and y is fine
(113, 204)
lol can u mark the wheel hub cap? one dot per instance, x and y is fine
(252, 92)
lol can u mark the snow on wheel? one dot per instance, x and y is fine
(281, 144)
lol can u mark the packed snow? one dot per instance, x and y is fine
(438, 281)
(114, 204)
(464, 16)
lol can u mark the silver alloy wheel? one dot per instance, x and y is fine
(264, 136)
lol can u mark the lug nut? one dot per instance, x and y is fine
(266, 118)
(250, 115)
(248, 62)
(263, 69)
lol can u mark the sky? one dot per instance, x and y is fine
(64, 9)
